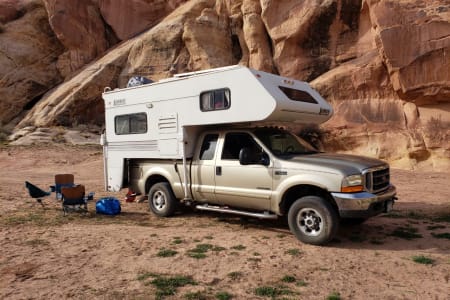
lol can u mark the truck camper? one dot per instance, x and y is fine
(212, 139)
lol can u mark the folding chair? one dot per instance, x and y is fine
(36, 193)
(63, 180)
(73, 199)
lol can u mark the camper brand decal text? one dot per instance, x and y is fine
(119, 101)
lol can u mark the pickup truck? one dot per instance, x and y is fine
(267, 172)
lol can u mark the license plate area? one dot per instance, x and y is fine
(388, 206)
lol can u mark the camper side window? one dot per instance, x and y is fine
(298, 95)
(131, 124)
(215, 100)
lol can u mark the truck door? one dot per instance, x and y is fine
(202, 169)
(244, 186)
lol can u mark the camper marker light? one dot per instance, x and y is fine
(149, 105)
(324, 111)
(352, 184)
(290, 82)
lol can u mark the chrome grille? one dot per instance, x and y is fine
(377, 179)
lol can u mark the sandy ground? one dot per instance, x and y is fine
(47, 256)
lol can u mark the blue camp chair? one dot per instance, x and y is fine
(63, 180)
(73, 198)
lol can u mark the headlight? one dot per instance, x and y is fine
(352, 184)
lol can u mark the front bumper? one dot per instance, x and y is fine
(364, 204)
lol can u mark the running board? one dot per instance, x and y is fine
(265, 215)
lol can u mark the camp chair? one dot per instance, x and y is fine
(63, 180)
(73, 198)
(36, 193)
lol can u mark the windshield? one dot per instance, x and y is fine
(283, 143)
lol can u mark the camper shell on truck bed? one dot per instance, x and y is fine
(162, 120)
(209, 139)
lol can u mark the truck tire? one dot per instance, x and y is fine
(161, 199)
(313, 220)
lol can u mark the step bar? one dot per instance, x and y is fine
(264, 215)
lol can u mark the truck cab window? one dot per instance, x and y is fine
(282, 143)
(215, 100)
(208, 147)
(131, 124)
(236, 141)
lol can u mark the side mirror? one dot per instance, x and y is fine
(249, 157)
(245, 156)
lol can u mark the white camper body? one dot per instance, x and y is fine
(162, 120)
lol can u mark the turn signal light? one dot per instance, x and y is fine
(352, 189)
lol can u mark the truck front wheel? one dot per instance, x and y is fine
(162, 200)
(313, 220)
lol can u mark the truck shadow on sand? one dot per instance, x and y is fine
(405, 228)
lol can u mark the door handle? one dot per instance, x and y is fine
(218, 171)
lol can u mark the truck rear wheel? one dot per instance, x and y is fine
(162, 200)
(313, 220)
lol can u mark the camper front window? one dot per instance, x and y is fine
(131, 124)
(215, 100)
(298, 95)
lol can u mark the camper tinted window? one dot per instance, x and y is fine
(131, 124)
(297, 95)
(215, 100)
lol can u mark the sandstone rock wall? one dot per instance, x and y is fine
(78, 25)
(29, 52)
(383, 64)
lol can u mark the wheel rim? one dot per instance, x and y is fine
(310, 221)
(159, 200)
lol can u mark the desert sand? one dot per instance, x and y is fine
(209, 256)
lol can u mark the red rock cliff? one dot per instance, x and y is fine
(383, 64)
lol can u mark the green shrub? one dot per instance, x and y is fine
(288, 279)
(423, 260)
(293, 252)
(218, 248)
(167, 286)
(334, 296)
(177, 240)
(273, 292)
(223, 296)
(195, 296)
(238, 247)
(166, 253)
(199, 251)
